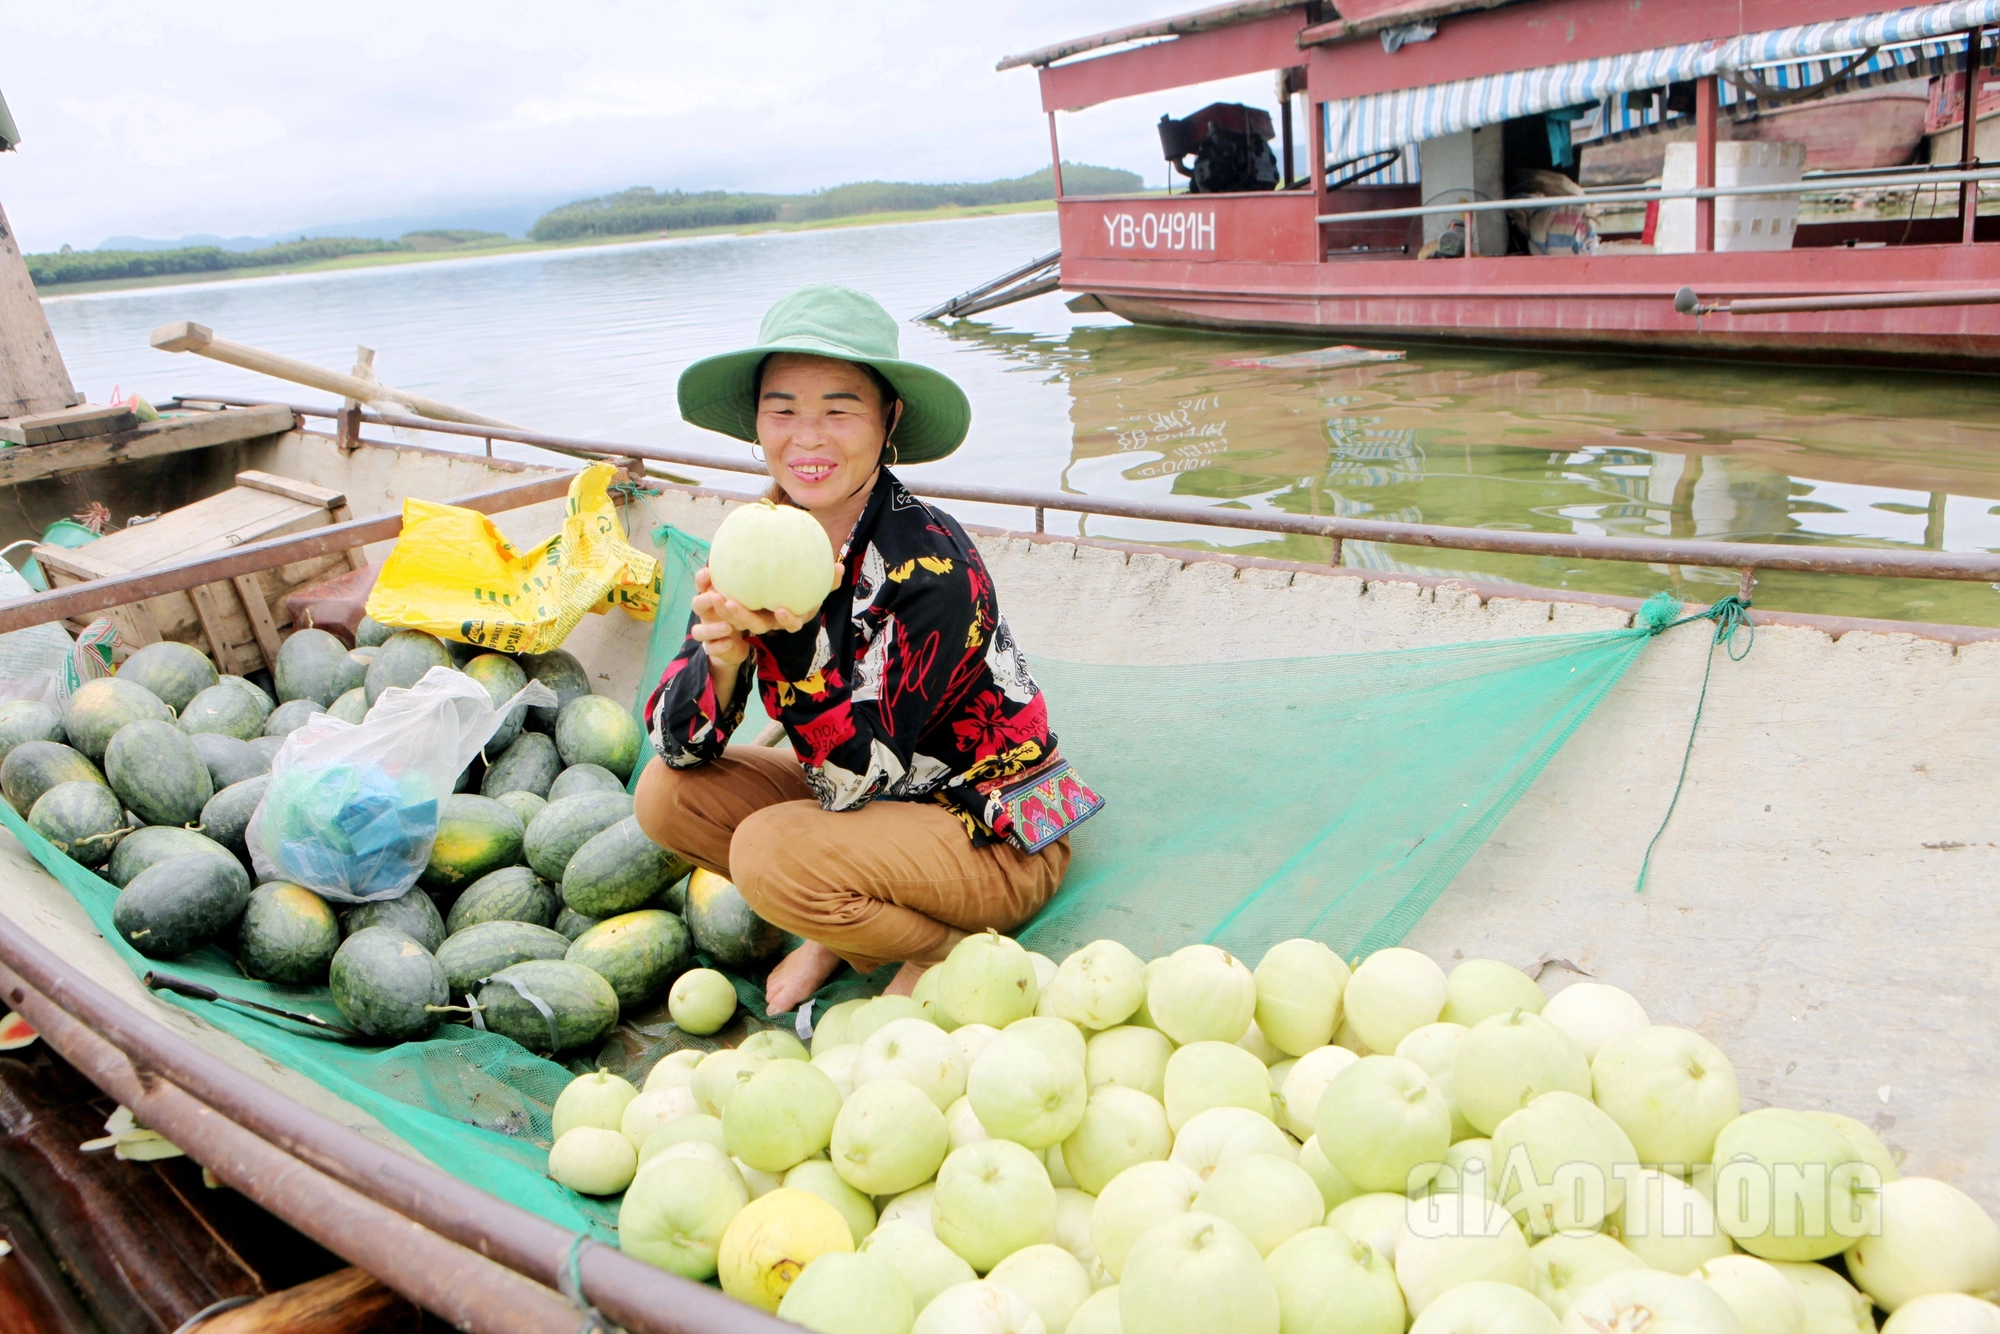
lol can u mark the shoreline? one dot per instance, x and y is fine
(385, 259)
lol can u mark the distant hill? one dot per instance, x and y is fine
(89, 266)
(643, 209)
(513, 219)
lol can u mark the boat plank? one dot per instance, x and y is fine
(32, 375)
(169, 435)
(347, 1301)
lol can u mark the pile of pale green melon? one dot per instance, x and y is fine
(1190, 1147)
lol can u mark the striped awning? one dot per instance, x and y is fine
(1381, 120)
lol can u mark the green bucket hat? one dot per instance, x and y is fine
(719, 393)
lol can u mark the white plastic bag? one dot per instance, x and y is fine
(32, 661)
(352, 810)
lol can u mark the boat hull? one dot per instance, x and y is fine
(1218, 272)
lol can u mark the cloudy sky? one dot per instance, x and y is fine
(247, 118)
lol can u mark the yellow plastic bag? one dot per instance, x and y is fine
(454, 574)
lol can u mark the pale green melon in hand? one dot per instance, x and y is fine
(1326, 1280)
(1832, 1305)
(768, 556)
(1763, 1301)
(720, 1074)
(1668, 1223)
(1671, 1090)
(988, 979)
(1384, 1124)
(1201, 994)
(1135, 1200)
(889, 1137)
(1435, 1048)
(1197, 1274)
(1057, 1037)
(1268, 1197)
(593, 1161)
(1097, 987)
(816, 1176)
(1790, 1187)
(1299, 985)
(1555, 1163)
(1447, 1240)
(1567, 1265)
(1486, 1308)
(701, 1001)
(840, 1293)
(1307, 1082)
(1120, 1127)
(1392, 992)
(1506, 1062)
(1213, 1137)
(596, 1099)
(927, 1265)
(1934, 1238)
(918, 1053)
(1131, 1056)
(1046, 1277)
(978, 1308)
(1205, 1075)
(1334, 1189)
(1650, 1300)
(1593, 1013)
(1939, 1313)
(674, 1214)
(992, 1199)
(781, 1116)
(1023, 1094)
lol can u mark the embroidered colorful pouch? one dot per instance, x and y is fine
(1044, 805)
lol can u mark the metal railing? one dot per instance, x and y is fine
(1803, 187)
(1746, 557)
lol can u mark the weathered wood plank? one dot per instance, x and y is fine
(169, 435)
(32, 375)
(347, 1301)
(252, 592)
(77, 423)
(291, 488)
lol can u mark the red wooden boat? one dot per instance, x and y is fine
(1405, 121)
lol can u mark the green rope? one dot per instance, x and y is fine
(1730, 615)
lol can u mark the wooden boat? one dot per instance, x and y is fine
(1861, 131)
(1817, 906)
(1334, 252)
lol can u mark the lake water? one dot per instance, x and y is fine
(589, 342)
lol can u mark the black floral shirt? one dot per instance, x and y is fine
(907, 686)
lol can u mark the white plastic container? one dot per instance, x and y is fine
(1742, 222)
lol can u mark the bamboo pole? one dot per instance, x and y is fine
(187, 336)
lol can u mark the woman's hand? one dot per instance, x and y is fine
(724, 630)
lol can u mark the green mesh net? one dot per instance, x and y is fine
(1328, 797)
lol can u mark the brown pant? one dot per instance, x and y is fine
(882, 884)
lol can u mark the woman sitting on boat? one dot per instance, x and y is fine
(888, 832)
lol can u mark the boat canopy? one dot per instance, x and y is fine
(1856, 52)
(9, 136)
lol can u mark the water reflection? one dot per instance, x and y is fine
(1544, 443)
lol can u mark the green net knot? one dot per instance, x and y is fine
(1658, 613)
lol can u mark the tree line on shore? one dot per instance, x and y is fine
(628, 213)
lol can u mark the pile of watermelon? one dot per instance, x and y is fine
(542, 904)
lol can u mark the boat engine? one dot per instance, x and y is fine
(1231, 144)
